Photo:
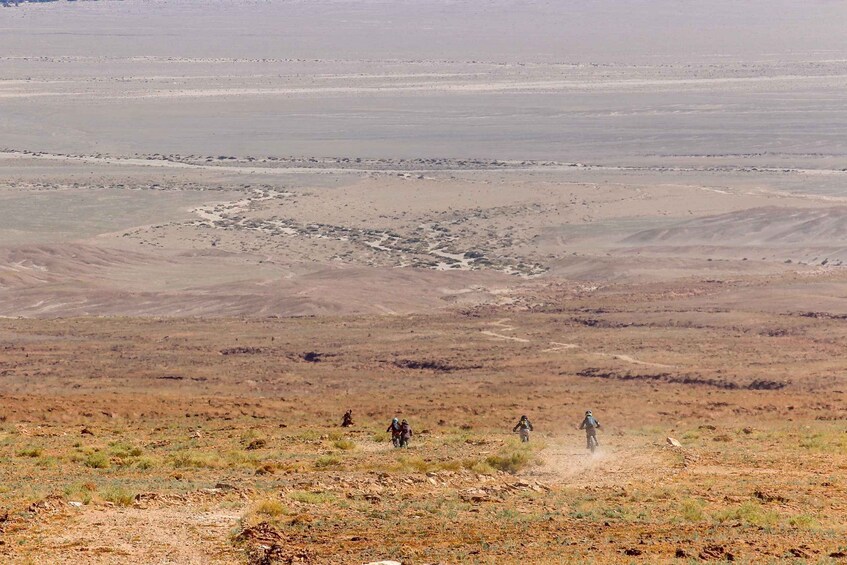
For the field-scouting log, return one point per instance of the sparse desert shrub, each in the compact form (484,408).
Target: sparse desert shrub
(804,522)
(691,510)
(30,451)
(309,435)
(124,451)
(270,507)
(510,462)
(80,492)
(47,462)
(310,497)
(97,460)
(191,460)
(118,495)
(822,442)
(249,435)
(406,464)
(145,463)
(749,513)
(344,444)
(335,435)
(325,461)
(481,467)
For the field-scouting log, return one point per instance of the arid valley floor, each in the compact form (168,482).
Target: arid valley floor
(223,224)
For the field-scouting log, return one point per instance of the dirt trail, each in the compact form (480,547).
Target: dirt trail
(559,346)
(183,534)
(566,461)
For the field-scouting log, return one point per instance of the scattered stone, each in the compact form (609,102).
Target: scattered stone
(632,551)
(75,504)
(86,432)
(242,351)
(257,443)
(475,495)
(266,469)
(53,504)
(275,554)
(260,533)
(312,357)
(768,496)
(714,552)
(672,441)
(680,553)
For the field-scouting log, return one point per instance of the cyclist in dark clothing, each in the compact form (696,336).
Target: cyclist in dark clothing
(524,426)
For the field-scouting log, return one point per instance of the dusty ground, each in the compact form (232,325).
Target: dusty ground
(222,224)
(149,424)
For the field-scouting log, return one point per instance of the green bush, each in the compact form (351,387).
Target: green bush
(97,460)
(117,495)
(325,461)
(692,510)
(510,462)
(344,444)
(749,513)
(310,497)
(30,451)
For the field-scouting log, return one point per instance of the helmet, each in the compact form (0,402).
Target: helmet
(395,420)
(405,422)
(588,413)
(524,418)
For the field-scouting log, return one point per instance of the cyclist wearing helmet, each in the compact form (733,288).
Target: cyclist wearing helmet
(590,425)
(524,426)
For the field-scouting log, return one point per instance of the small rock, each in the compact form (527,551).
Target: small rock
(86,432)
(258,443)
(384,563)
(75,504)
(674,442)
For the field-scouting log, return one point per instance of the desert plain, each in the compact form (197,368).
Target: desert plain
(223,224)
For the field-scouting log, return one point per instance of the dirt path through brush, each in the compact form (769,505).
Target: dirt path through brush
(185,534)
(566,461)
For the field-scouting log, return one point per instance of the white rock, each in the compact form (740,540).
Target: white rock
(673,442)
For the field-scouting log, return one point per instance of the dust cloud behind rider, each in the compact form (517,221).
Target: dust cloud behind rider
(590,425)
(523,427)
